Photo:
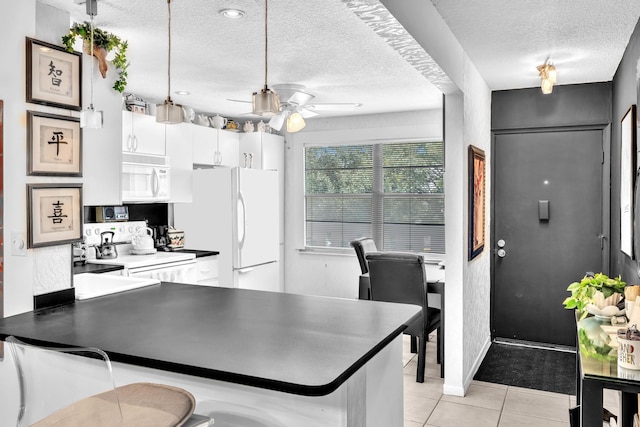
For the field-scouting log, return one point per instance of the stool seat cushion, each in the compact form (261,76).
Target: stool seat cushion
(143,405)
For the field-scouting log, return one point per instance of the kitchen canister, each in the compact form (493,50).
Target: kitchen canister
(628,349)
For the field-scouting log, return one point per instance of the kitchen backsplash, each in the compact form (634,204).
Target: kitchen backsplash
(154,213)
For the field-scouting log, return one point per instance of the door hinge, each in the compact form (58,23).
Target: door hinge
(602,162)
(602,238)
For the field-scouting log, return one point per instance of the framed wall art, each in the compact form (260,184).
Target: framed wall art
(477,178)
(627,179)
(54,76)
(54,214)
(54,145)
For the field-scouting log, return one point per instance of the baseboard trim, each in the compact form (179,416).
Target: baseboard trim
(533,344)
(477,362)
(461,391)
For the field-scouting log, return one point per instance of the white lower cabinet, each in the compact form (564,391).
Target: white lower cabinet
(207,270)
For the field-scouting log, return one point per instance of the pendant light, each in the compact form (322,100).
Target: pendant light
(90,118)
(266,102)
(168,112)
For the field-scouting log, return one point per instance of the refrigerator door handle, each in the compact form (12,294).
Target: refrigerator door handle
(245,270)
(242,220)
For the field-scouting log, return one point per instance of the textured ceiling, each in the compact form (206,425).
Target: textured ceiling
(507,39)
(354,50)
(322,45)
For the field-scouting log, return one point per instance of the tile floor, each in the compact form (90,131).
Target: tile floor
(485,405)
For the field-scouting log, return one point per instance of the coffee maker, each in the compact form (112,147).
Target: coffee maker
(160,237)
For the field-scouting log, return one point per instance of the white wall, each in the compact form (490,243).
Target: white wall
(336,274)
(16,22)
(467,121)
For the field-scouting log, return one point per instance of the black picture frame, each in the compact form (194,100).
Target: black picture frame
(54,214)
(477,191)
(627,179)
(54,145)
(54,75)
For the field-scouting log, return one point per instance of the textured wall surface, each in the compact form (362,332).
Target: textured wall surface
(624,95)
(477,123)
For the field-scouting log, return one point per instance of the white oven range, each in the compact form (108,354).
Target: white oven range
(176,266)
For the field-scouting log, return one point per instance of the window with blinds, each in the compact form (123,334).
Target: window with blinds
(393,192)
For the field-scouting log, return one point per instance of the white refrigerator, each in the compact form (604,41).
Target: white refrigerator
(235,211)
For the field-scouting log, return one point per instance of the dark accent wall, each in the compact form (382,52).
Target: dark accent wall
(624,92)
(569,105)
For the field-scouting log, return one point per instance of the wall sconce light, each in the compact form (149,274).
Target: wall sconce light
(548,76)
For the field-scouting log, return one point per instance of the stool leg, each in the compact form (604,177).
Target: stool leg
(414,344)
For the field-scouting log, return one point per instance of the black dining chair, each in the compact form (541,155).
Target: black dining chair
(401,277)
(363,246)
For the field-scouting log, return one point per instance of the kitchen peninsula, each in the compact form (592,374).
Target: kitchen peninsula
(286,359)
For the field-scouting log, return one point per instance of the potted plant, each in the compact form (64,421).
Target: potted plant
(585,291)
(103,43)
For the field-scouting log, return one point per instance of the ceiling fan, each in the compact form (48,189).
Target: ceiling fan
(295,107)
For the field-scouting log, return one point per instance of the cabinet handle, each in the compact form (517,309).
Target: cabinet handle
(129,143)
(135,143)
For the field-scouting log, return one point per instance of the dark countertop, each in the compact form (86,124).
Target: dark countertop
(96,268)
(199,253)
(292,343)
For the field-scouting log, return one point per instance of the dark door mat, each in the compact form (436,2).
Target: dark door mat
(535,368)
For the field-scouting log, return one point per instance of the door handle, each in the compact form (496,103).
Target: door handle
(502,253)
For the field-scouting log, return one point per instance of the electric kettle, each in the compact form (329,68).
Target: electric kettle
(143,239)
(106,249)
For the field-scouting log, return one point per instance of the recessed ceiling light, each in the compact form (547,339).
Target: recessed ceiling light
(183,92)
(231,13)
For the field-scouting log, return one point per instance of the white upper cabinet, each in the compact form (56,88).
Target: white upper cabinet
(262,150)
(180,153)
(207,141)
(101,158)
(142,134)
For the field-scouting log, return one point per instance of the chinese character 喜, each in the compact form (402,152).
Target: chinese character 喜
(58,214)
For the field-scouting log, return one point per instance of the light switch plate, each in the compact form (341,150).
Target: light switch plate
(18,244)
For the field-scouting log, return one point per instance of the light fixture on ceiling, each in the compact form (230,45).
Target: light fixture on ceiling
(168,112)
(293,118)
(231,13)
(295,122)
(182,92)
(548,76)
(266,102)
(89,117)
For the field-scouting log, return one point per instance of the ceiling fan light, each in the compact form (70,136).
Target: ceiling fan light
(266,102)
(90,118)
(295,123)
(276,122)
(169,113)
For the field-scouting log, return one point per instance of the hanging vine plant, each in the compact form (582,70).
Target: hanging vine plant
(103,43)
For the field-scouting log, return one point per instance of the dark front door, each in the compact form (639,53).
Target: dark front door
(553,174)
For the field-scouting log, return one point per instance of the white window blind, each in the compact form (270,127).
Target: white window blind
(392,192)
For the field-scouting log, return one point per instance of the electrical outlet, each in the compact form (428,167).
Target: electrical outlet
(18,245)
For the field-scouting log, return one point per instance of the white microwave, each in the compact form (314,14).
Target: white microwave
(145,178)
